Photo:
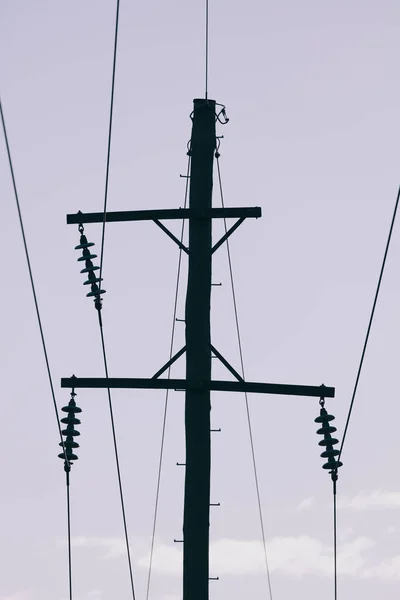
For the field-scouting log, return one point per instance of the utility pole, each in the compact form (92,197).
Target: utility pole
(198,356)
(198,383)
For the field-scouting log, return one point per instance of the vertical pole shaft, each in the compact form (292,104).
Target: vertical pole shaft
(198,357)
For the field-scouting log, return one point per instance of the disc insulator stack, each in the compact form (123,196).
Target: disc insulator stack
(70,432)
(90,269)
(328,441)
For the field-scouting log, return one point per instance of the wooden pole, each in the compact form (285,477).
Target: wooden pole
(198,357)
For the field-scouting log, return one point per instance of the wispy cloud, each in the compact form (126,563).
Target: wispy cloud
(345,534)
(112,547)
(23,595)
(375,500)
(92,595)
(388,570)
(166,560)
(294,555)
(390,529)
(307,503)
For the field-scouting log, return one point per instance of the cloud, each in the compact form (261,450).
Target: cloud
(17,596)
(166,559)
(112,547)
(388,570)
(294,555)
(345,534)
(376,500)
(92,595)
(390,529)
(307,503)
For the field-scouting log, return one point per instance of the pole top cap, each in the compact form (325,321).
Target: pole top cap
(198,102)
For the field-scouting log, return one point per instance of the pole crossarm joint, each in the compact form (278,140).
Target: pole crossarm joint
(226,364)
(252,212)
(227,234)
(172,236)
(169,363)
(186,384)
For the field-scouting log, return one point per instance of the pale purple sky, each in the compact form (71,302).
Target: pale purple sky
(313,96)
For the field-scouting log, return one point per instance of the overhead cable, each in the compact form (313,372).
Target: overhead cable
(335,537)
(98,301)
(360,366)
(39,320)
(114,435)
(110,125)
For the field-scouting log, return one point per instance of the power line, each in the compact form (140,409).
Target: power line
(43,344)
(167,392)
(98,305)
(69,531)
(370,322)
(246,397)
(109,136)
(114,434)
(39,320)
(335,534)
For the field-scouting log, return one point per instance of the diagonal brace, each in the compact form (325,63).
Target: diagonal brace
(170,362)
(171,235)
(226,364)
(227,234)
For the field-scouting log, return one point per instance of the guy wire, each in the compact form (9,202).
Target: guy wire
(167,391)
(245,394)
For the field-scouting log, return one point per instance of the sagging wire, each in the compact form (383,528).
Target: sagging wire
(109,136)
(39,320)
(96,294)
(235,308)
(46,357)
(360,366)
(353,397)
